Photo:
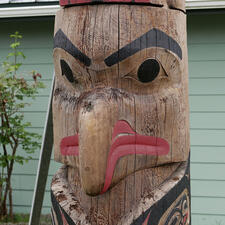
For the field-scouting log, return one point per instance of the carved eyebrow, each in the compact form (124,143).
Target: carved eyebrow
(153,38)
(62,41)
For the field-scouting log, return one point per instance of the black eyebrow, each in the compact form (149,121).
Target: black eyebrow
(153,38)
(61,41)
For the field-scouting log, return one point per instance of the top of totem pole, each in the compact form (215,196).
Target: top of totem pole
(172,4)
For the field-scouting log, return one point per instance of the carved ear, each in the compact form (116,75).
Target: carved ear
(176,4)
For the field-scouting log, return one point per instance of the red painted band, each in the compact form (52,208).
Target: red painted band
(129,144)
(70,145)
(124,142)
(146,220)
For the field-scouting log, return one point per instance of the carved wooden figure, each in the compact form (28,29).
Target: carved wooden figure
(121,117)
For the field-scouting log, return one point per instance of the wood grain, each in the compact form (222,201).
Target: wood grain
(107,48)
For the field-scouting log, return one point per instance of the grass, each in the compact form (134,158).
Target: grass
(21,219)
(17,218)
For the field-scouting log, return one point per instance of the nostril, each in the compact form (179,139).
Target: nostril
(88,106)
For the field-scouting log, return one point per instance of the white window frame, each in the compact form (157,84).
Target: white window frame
(50,10)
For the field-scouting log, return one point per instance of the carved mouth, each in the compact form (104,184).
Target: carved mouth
(69,146)
(125,141)
(128,142)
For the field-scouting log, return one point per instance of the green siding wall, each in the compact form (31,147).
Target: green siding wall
(206,48)
(206,44)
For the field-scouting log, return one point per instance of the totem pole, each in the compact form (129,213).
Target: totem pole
(120,113)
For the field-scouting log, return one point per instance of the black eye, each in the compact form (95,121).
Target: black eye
(66,71)
(148,70)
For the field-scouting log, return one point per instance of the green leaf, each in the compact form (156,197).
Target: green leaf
(15,45)
(15,94)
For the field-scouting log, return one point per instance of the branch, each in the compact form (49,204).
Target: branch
(8,124)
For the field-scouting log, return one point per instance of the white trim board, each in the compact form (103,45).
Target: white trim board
(205,4)
(29,11)
(50,10)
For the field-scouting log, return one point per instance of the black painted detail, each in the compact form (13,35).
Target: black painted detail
(140,220)
(61,41)
(158,209)
(148,70)
(52,217)
(67,217)
(65,68)
(173,217)
(56,209)
(153,38)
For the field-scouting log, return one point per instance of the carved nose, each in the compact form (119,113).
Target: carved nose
(97,115)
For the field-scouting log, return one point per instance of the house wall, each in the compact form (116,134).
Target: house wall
(206,45)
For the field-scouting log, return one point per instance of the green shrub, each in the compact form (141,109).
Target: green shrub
(15,91)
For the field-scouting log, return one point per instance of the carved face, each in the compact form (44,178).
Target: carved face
(120,100)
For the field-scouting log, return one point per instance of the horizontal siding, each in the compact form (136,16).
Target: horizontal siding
(210,86)
(214,120)
(208,137)
(206,48)
(207,103)
(31,168)
(207,219)
(206,69)
(208,154)
(46,70)
(202,188)
(35,55)
(26,209)
(208,171)
(25,182)
(206,52)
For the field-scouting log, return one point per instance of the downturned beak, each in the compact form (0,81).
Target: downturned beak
(95,134)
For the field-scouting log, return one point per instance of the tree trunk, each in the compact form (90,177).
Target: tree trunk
(10,203)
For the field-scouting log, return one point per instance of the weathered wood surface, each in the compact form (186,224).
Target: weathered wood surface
(121,117)
(166,197)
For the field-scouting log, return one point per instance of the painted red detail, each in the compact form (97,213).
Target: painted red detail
(63,218)
(69,145)
(121,127)
(64,2)
(146,220)
(124,142)
(131,143)
(142,1)
(78,2)
(185,218)
(117,1)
